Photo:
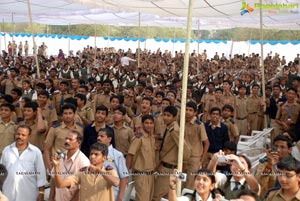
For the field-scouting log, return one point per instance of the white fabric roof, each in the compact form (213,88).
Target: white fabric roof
(211,14)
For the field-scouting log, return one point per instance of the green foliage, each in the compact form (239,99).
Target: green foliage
(237,34)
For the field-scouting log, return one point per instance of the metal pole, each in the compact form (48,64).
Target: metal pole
(33,40)
(173,43)
(139,41)
(262,62)
(184,89)
(198,48)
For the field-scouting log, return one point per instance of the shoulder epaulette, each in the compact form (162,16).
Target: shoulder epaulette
(263,160)
(51,107)
(17,104)
(109,167)
(79,124)
(88,109)
(138,134)
(136,115)
(271,190)
(231,120)
(198,122)
(155,114)
(56,125)
(177,106)
(171,129)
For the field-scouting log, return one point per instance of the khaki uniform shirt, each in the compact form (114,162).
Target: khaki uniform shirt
(142,148)
(7,134)
(286,112)
(241,107)
(194,135)
(233,130)
(228,99)
(123,137)
(49,113)
(11,84)
(36,138)
(102,99)
(278,196)
(169,151)
(57,98)
(253,104)
(57,134)
(93,186)
(86,112)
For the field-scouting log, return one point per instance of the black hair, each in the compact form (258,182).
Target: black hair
(44,93)
(173,92)
(293,89)
(247,192)
(26,127)
(193,105)
(81,97)
(289,164)
(17,91)
(121,109)
(148,99)
(147,116)
(99,147)
(166,99)
(228,81)
(150,88)
(108,132)
(8,98)
(67,106)
(41,85)
(283,138)
(161,93)
(227,106)
(8,105)
(102,108)
(114,96)
(172,110)
(33,105)
(215,109)
(218,89)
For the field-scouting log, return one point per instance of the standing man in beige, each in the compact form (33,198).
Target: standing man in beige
(141,159)
(195,136)
(254,106)
(241,110)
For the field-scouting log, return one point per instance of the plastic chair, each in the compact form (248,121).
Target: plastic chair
(128,190)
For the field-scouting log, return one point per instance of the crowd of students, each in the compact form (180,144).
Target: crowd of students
(123,114)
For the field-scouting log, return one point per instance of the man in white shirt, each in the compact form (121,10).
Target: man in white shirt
(26,171)
(125,60)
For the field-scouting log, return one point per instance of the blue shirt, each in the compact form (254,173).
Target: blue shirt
(116,159)
(217,136)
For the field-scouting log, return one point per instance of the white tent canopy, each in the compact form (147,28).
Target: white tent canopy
(210,14)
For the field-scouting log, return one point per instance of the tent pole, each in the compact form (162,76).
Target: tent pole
(69,39)
(12,33)
(262,62)
(139,41)
(95,44)
(249,42)
(33,40)
(173,43)
(5,47)
(0,38)
(184,89)
(198,48)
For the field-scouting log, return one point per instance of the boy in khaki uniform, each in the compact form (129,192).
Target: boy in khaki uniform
(141,159)
(168,156)
(195,136)
(85,113)
(96,181)
(7,126)
(254,106)
(241,110)
(233,131)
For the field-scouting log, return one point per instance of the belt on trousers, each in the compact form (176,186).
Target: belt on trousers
(241,118)
(143,172)
(167,165)
(253,113)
